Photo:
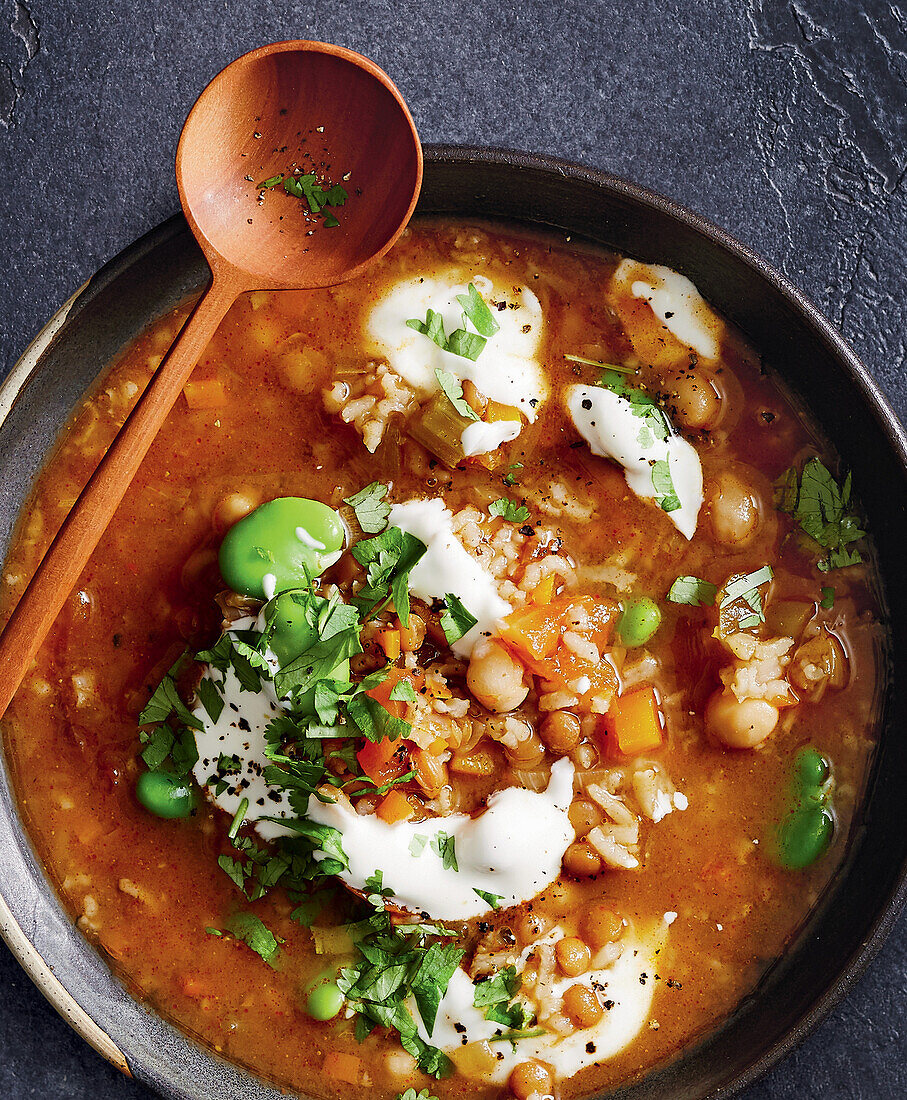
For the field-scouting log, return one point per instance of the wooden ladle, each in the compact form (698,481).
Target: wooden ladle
(291,107)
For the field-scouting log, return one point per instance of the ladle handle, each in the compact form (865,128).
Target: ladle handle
(82,529)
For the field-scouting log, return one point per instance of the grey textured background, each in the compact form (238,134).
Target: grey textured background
(782,121)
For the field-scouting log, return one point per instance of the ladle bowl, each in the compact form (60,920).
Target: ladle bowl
(298,106)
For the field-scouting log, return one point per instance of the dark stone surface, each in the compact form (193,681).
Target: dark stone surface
(782,121)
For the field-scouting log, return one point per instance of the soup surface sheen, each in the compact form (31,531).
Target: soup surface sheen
(547,828)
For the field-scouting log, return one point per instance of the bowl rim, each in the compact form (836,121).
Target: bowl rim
(454,155)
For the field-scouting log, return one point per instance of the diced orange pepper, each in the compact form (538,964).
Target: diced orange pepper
(381,693)
(544,590)
(205,394)
(634,722)
(495,411)
(390,643)
(342,1067)
(395,807)
(532,632)
(383,760)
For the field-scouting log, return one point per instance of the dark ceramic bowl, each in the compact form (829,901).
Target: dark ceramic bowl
(862,901)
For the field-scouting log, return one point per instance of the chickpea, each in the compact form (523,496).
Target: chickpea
(573,956)
(696,402)
(530,1077)
(527,753)
(561,731)
(582,1005)
(819,663)
(601,925)
(580,860)
(584,816)
(734,512)
(495,678)
(412,636)
(531,926)
(739,724)
(431,772)
(231,509)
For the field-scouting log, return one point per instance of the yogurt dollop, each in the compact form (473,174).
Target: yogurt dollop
(507,370)
(447,567)
(443,866)
(607,422)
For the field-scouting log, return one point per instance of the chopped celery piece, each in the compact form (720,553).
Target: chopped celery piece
(439,428)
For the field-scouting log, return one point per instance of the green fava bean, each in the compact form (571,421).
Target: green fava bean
(281,545)
(324,1001)
(292,635)
(638,621)
(804,836)
(811,769)
(165,795)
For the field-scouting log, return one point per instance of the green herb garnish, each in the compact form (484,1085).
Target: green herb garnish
(248,929)
(494,900)
(446,847)
(476,309)
(509,510)
(747,590)
(370,507)
(317,197)
(455,619)
(509,478)
(828,599)
(663,484)
(462,342)
(453,391)
(823,512)
(693,591)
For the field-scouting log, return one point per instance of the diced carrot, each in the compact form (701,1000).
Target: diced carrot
(381,693)
(634,722)
(205,394)
(342,1067)
(495,411)
(544,590)
(390,643)
(395,807)
(533,632)
(383,760)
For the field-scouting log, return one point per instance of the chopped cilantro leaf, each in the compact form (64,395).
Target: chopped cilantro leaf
(663,484)
(157,750)
(432,327)
(509,510)
(828,599)
(210,698)
(504,985)
(455,619)
(394,964)
(468,345)
(641,405)
(247,928)
(822,510)
(417,844)
(370,507)
(746,590)
(509,478)
(403,692)
(453,391)
(693,591)
(476,309)
(165,700)
(411,1094)
(446,847)
(388,559)
(317,197)
(494,900)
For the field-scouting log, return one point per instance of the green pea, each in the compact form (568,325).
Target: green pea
(324,1001)
(811,769)
(292,635)
(290,539)
(638,621)
(165,795)
(804,836)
